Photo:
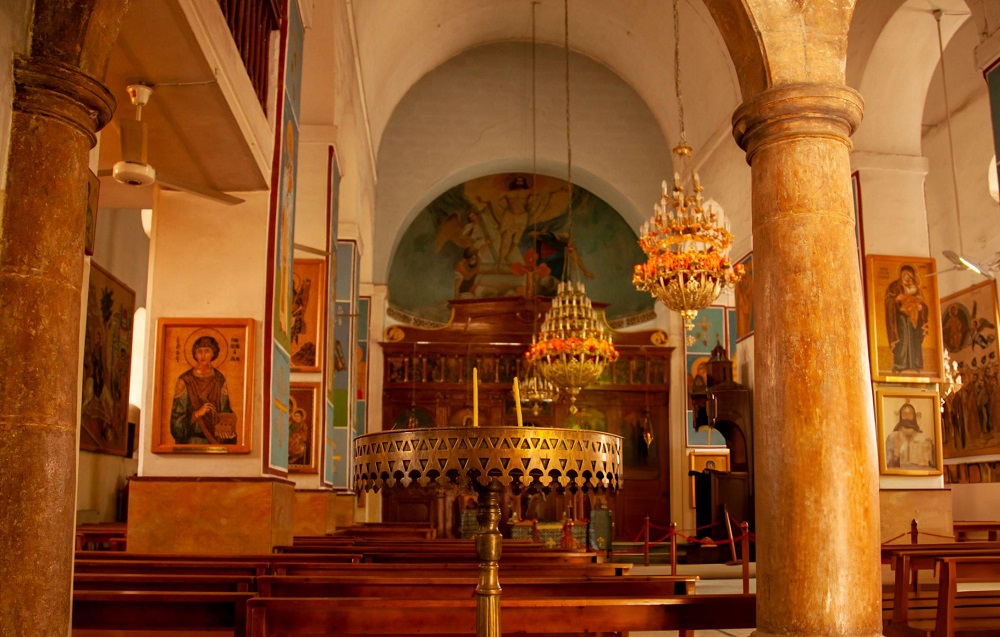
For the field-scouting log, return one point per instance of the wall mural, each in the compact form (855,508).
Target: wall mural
(506,235)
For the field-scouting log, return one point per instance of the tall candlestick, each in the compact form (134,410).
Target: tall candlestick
(475,397)
(517,403)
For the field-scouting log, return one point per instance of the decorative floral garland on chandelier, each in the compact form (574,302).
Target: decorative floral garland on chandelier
(687,248)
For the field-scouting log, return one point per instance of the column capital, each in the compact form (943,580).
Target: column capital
(831,111)
(60,91)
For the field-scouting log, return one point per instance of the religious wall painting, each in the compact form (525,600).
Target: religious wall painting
(332,220)
(304,418)
(701,459)
(744,300)
(285,229)
(340,469)
(971,418)
(908,425)
(90,227)
(361,366)
(904,322)
(972,473)
(702,436)
(308,314)
(506,235)
(277,450)
(203,387)
(293,57)
(107,362)
(859,232)
(709,330)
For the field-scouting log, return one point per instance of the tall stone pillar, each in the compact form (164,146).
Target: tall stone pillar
(57,110)
(818,543)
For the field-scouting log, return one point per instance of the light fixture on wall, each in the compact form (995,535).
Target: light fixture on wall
(686,240)
(574,344)
(536,389)
(959,259)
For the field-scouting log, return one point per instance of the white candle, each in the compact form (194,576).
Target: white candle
(475,397)
(517,403)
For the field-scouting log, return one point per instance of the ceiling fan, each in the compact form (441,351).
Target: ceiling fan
(987,268)
(134,169)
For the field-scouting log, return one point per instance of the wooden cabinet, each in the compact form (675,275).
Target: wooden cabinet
(428,384)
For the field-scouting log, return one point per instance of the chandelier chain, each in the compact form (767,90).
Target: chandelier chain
(951,144)
(569,144)
(677,71)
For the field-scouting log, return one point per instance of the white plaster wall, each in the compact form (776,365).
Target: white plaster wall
(207,260)
(472,117)
(15,23)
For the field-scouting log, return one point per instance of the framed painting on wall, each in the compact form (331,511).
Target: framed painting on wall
(744,300)
(203,388)
(909,431)
(304,419)
(969,320)
(701,459)
(107,363)
(308,314)
(904,319)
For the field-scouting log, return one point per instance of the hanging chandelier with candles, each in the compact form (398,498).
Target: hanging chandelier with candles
(574,344)
(686,241)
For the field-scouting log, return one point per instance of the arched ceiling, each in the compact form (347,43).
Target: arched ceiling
(472,116)
(895,77)
(632,38)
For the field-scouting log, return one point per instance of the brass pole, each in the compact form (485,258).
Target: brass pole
(488,545)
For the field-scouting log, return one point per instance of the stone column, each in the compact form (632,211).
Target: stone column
(57,110)
(816,469)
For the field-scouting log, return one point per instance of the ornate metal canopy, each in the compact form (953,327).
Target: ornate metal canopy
(525,457)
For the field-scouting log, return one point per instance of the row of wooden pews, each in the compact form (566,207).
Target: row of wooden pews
(943,610)
(380,584)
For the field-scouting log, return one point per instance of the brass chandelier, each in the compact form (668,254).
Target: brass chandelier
(686,242)
(573,346)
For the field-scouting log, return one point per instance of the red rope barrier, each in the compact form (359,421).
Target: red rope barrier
(949,537)
(903,534)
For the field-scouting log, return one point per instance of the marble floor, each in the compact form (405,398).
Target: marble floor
(714,579)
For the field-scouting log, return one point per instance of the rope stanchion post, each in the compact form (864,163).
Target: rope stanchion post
(645,542)
(914,534)
(729,531)
(745,555)
(673,548)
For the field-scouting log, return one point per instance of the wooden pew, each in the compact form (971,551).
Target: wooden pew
(430,570)
(424,557)
(93,536)
(195,613)
(462,586)
(267,616)
(177,567)
(907,562)
(983,618)
(964,528)
(163,582)
(888,550)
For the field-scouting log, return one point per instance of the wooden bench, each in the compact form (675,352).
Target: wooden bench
(964,528)
(95,536)
(507,569)
(463,586)
(424,557)
(187,613)
(911,608)
(290,616)
(178,567)
(163,582)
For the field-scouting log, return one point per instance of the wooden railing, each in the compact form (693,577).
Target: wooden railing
(251,23)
